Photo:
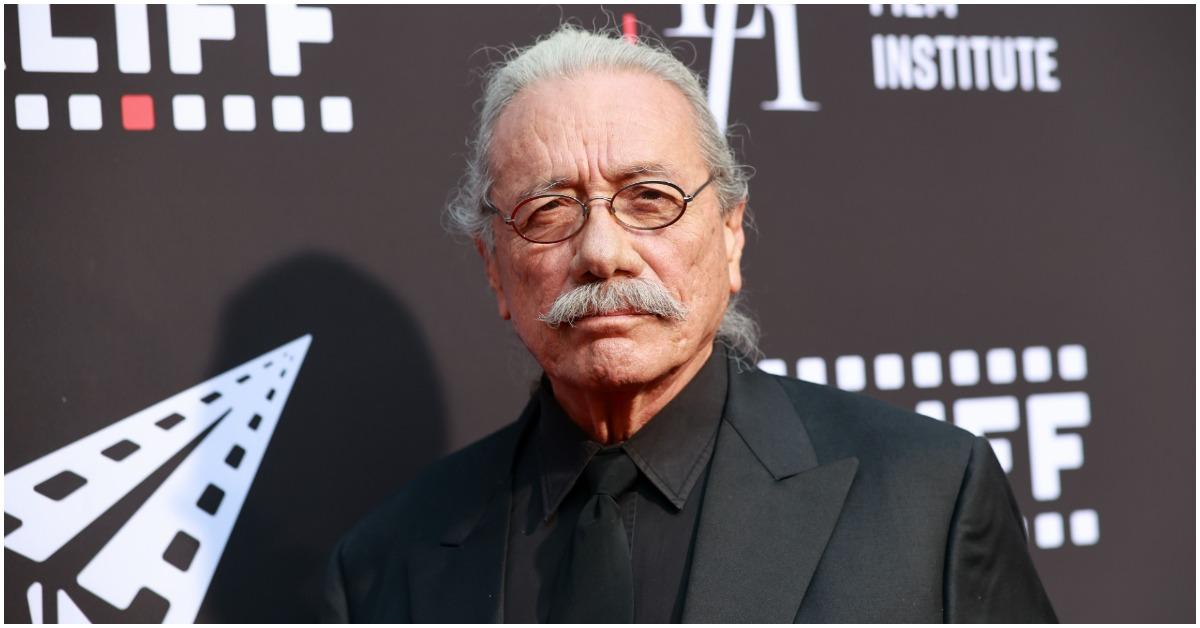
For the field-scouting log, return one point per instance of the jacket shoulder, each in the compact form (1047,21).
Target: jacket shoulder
(423,508)
(842,423)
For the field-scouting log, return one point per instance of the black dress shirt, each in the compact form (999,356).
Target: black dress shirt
(672,453)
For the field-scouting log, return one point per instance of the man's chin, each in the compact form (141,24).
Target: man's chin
(612,360)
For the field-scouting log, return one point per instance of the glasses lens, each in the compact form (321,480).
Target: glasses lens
(548,218)
(648,205)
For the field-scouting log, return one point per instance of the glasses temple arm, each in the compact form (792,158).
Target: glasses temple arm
(700,189)
(487,205)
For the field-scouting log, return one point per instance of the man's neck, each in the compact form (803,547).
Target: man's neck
(612,416)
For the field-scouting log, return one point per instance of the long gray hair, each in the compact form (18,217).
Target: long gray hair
(569,51)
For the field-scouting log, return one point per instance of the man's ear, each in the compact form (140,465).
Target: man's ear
(493,275)
(735,241)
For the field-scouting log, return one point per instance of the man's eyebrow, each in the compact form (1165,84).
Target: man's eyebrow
(644,168)
(543,186)
(630,171)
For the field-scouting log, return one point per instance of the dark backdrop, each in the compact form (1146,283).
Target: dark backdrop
(891,222)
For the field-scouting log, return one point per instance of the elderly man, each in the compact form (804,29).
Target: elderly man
(654,476)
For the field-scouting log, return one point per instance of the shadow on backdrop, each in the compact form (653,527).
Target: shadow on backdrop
(364,416)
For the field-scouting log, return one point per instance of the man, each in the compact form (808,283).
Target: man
(654,476)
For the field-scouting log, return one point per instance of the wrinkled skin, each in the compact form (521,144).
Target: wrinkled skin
(611,373)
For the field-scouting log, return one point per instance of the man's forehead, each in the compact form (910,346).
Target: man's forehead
(619,123)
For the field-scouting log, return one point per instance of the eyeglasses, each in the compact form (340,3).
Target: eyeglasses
(645,206)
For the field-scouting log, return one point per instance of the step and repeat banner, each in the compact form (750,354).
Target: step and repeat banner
(235,322)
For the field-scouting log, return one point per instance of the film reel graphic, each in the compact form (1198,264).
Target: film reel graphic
(174,541)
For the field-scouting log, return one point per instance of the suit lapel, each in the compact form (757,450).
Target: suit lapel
(461,578)
(769,509)
(463,583)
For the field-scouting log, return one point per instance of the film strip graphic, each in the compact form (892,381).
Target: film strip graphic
(172,544)
(138,113)
(955,374)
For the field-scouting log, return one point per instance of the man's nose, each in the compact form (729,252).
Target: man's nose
(604,247)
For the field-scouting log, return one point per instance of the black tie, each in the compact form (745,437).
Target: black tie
(596,583)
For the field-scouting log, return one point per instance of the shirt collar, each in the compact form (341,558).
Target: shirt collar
(671,450)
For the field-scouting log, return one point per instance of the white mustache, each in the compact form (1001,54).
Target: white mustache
(642,296)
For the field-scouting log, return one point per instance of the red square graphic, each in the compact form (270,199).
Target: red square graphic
(137,112)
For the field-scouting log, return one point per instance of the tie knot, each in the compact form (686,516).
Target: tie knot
(610,473)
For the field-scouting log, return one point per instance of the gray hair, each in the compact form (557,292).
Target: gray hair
(569,51)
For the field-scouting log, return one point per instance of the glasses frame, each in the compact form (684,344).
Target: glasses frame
(585,207)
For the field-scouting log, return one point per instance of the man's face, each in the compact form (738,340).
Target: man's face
(594,132)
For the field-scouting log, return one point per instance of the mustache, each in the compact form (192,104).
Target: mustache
(643,296)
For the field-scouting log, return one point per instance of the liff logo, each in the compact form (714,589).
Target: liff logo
(187,27)
(166,553)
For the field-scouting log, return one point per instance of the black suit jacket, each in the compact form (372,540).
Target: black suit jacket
(821,506)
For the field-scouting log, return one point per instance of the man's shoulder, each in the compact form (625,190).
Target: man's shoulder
(841,423)
(423,508)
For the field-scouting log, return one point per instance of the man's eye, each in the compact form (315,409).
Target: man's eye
(552,209)
(648,198)
(544,213)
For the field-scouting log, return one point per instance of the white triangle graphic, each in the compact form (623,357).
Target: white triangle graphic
(68,613)
(173,542)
